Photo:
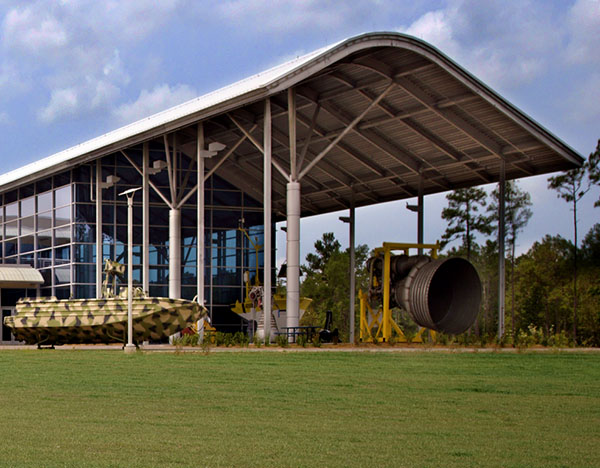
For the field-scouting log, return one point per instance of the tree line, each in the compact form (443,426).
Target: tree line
(553,289)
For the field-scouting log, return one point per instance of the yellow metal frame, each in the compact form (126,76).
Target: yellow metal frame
(381,326)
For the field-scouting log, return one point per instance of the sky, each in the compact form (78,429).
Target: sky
(71,70)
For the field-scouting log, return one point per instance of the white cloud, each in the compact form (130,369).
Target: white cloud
(505,43)
(584,28)
(72,49)
(63,102)
(33,31)
(162,97)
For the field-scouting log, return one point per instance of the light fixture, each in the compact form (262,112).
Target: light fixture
(157,166)
(110,181)
(213,149)
(413,208)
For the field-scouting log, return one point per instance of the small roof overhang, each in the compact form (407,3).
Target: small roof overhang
(19,276)
(426,121)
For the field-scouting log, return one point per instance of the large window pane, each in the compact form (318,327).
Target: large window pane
(85,232)
(85,291)
(44,239)
(10,247)
(85,253)
(28,206)
(188,276)
(62,196)
(227,276)
(85,273)
(44,202)
(226,295)
(62,216)
(27,225)
(44,220)
(26,244)
(226,219)
(62,255)
(11,229)
(12,211)
(159,275)
(62,235)
(62,275)
(62,293)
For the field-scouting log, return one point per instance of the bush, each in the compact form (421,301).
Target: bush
(316,341)
(558,340)
(301,341)
(282,341)
(240,339)
(257,340)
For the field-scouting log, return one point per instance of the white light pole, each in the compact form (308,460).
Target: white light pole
(130,347)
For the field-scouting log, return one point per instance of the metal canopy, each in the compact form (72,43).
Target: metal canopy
(19,276)
(375,116)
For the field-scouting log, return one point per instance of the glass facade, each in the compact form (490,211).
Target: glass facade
(51,225)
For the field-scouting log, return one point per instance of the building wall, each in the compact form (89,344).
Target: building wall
(51,225)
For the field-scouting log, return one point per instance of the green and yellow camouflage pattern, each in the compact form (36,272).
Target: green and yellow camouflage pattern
(50,321)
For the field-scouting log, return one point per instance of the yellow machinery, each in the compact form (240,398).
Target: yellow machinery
(439,295)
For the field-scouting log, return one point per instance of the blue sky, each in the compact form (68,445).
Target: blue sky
(72,70)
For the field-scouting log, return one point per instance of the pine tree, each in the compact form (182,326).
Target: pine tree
(516,217)
(571,187)
(464,217)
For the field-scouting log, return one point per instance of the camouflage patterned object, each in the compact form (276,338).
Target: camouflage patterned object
(49,321)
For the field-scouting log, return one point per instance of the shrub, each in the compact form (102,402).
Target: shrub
(282,341)
(301,341)
(240,339)
(316,341)
(257,340)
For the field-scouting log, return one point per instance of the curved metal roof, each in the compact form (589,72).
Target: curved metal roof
(422,118)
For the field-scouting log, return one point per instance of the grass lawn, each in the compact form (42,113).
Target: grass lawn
(105,408)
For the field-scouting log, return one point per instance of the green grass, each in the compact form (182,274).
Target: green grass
(96,408)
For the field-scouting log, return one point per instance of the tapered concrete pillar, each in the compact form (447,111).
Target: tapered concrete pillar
(293,254)
(175,254)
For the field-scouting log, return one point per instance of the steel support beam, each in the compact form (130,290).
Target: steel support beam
(267,145)
(352,269)
(420,215)
(145,217)
(501,235)
(293,254)
(99,255)
(200,214)
(174,254)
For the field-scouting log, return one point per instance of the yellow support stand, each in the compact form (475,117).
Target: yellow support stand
(379,329)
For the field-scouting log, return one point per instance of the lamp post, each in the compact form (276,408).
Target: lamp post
(130,347)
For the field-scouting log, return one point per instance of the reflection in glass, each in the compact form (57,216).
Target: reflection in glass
(44,239)
(12,211)
(27,225)
(11,229)
(62,196)
(62,255)
(28,206)
(26,244)
(62,235)
(44,220)
(62,216)
(62,275)
(44,202)
(85,253)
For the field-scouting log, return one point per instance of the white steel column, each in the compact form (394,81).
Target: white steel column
(501,235)
(99,259)
(267,220)
(293,254)
(175,254)
(293,223)
(200,212)
(145,218)
(352,270)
